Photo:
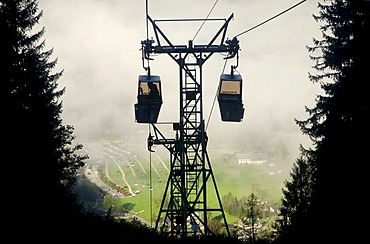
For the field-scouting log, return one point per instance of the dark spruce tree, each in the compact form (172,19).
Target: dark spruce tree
(41,160)
(297,196)
(332,206)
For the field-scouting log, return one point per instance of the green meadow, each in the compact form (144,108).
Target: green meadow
(148,177)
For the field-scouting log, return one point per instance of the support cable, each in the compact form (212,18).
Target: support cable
(147,29)
(264,22)
(204,21)
(146,19)
(214,99)
(150,184)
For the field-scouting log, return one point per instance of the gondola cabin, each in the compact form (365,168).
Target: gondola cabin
(149,99)
(229,97)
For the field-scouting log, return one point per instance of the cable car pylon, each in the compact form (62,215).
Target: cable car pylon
(185,209)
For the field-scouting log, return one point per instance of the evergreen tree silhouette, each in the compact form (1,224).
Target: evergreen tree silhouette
(39,150)
(338,125)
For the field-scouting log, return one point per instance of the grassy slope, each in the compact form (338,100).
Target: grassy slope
(240,180)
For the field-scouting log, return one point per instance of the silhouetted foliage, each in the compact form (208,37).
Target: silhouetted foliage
(39,149)
(251,215)
(297,196)
(232,205)
(323,200)
(39,146)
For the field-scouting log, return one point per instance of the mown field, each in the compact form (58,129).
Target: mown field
(146,175)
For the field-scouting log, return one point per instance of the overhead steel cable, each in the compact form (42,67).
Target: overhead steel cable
(215,97)
(146,19)
(264,22)
(201,26)
(204,21)
(147,31)
(150,152)
(150,184)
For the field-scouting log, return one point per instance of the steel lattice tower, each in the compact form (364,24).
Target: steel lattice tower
(184,209)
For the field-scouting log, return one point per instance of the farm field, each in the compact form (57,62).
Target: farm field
(143,176)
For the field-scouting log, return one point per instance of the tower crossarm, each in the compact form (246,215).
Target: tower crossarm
(171,49)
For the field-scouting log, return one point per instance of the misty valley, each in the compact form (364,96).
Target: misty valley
(130,182)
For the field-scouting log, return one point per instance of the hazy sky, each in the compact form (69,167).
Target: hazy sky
(97,43)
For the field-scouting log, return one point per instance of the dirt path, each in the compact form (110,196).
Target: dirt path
(164,165)
(107,173)
(156,171)
(124,179)
(130,166)
(94,178)
(141,166)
